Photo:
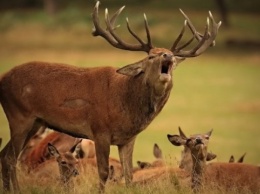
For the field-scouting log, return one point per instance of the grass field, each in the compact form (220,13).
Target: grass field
(218,90)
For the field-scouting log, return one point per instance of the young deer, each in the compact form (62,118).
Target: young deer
(40,152)
(186,157)
(108,105)
(185,162)
(63,165)
(237,176)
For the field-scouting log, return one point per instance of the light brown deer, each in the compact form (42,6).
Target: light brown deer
(158,170)
(186,158)
(61,166)
(185,162)
(40,152)
(107,105)
(226,176)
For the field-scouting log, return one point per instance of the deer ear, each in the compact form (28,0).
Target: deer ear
(209,133)
(182,134)
(241,159)
(132,69)
(210,156)
(157,152)
(176,140)
(77,151)
(179,59)
(53,151)
(231,159)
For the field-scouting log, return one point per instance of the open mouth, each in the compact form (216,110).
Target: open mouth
(166,67)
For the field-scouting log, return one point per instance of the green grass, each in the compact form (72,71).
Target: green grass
(218,90)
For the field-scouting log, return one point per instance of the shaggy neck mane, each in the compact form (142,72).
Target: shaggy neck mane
(144,103)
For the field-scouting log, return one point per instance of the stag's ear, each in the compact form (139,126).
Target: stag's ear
(132,69)
(53,151)
(179,60)
(210,156)
(176,140)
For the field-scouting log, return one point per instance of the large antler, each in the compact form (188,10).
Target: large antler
(112,38)
(204,41)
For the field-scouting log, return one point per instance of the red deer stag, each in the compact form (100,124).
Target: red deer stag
(107,105)
(238,177)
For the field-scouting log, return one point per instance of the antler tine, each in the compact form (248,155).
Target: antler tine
(112,37)
(114,17)
(192,28)
(176,42)
(149,42)
(205,41)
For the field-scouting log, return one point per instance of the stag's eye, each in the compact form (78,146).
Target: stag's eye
(63,163)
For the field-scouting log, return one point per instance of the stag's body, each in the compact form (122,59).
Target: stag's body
(95,103)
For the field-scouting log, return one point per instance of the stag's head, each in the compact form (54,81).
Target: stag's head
(157,67)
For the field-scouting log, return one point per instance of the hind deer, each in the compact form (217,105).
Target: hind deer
(108,105)
(160,170)
(185,162)
(40,153)
(61,166)
(238,176)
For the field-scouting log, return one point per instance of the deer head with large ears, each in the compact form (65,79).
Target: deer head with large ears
(192,146)
(66,162)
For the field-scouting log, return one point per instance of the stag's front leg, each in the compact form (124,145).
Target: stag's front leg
(102,145)
(125,154)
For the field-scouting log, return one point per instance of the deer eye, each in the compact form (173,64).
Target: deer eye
(63,163)
(207,137)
